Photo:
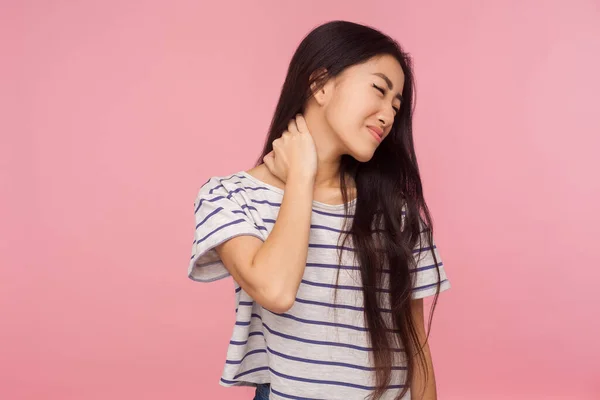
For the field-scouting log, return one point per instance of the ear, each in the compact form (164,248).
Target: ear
(319,87)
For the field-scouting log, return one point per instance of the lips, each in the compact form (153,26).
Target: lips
(377,132)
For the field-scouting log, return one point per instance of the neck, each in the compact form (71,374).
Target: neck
(329,152)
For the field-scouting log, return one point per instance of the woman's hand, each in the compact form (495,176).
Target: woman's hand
(294,153)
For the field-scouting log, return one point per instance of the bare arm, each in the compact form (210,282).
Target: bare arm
(421,389)
(271,271)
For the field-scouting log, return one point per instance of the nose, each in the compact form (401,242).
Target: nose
(385,121)
(385,117)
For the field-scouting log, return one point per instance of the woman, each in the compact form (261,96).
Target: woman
(328,238)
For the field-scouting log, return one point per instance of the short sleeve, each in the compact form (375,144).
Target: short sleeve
(426,277)
(219,216)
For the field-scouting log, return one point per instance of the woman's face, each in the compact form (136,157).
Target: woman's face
(363,103)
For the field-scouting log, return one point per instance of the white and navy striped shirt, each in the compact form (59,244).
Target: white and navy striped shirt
(318,349)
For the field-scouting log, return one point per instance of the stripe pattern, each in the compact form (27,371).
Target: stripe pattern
(319,348)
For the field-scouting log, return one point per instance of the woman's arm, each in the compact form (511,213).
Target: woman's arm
(421,389)
(271,271)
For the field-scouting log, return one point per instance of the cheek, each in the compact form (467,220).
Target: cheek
(349,112)
(337,113)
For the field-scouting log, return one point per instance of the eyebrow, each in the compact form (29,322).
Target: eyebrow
(389,84)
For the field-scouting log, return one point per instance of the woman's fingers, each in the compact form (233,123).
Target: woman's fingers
(301,123)
(292,127)
(269,161)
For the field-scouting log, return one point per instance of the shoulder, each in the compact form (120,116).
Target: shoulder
(241,188)
(262,174)
(221,184)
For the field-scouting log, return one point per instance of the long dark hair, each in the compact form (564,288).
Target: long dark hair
(387,186)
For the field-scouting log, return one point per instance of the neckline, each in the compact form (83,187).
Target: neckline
(279,191)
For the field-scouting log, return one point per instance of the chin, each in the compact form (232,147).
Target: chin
(362,155)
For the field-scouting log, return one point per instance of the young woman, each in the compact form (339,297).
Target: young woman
(328,238)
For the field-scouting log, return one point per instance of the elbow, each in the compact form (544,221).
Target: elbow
(274,293)
(281,306)
(279,303)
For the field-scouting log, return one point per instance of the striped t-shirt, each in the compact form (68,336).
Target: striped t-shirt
(319,349)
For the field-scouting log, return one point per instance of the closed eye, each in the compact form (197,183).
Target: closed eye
(380,89)
(397,110)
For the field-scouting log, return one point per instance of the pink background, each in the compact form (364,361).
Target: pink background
(116,113)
